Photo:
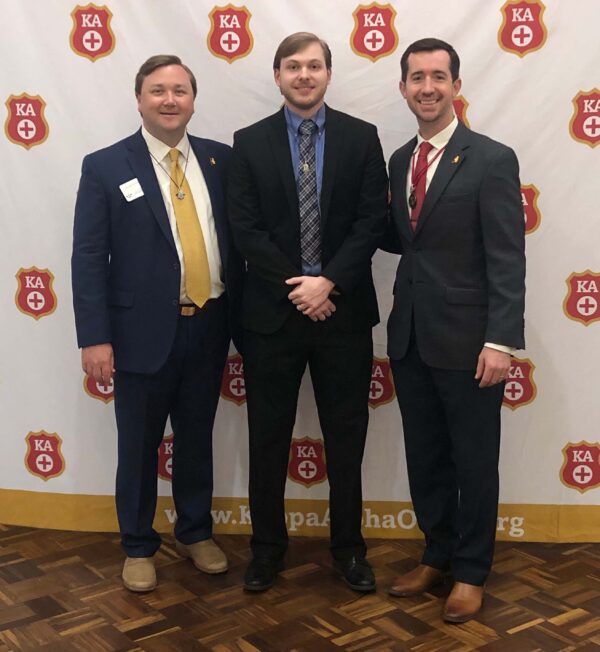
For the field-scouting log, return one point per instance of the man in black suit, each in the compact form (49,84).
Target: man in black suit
(307,204)
(151,263)
(457,316)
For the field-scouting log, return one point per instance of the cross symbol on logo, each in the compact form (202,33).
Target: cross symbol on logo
(44,462)
(237,387)
(513,391)
(230,41)
(522,35)
(586,305)
(376,390)
(591,126)
(92,41)
(582,474)
(26,129)
(307,470)
(35,300)
(374,40)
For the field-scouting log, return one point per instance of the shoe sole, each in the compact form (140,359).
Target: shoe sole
(457,620)
(410,594)
(136,589)
(356,587)
(263,587)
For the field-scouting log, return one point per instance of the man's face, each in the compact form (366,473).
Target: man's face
(303,78)
(166,102)
(429,89)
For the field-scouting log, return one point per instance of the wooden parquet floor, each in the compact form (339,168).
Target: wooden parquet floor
(61,592)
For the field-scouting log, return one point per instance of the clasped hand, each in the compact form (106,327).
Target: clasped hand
(311,296)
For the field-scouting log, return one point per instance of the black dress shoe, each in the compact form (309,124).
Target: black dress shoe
(261,573)
(357,573)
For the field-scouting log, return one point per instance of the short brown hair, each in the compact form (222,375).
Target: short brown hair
(296,43)
(160,61)
(430,45)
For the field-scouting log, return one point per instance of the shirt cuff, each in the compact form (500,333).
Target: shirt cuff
(501,347)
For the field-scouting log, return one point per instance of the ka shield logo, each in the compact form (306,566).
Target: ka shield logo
(91,36)
(25,123)
(382,389)
(35,296)
(43,457)
(520,389)
(165,458)
(585,121)
(233,387)
(374,35)
(522,30)
(100,391)
(582,302)
(307,461)
(461,105)
(581,466)
(533,217)
(230,37)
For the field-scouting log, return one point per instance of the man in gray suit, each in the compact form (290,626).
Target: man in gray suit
(457,220)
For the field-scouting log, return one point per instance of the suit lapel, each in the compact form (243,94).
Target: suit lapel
(143,169)
(404,159)
(333,143)
(450,162)
(280,145)
(210,167)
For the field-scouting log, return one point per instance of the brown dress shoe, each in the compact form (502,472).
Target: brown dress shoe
(139,574)
(206,555)
(463,603)
(418,580)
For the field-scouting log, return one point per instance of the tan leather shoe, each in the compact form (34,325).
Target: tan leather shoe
(463,603)
(418,580)
(139,574)
(206,555)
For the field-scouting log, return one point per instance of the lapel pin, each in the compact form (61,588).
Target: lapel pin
(456,159)
(212,160)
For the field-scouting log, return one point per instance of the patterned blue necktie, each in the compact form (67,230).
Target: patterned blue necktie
(308,199)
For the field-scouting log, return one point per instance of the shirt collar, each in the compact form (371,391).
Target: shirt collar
(160,150)
(442,138)
(293,120)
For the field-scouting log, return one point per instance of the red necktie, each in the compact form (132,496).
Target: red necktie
(419,181)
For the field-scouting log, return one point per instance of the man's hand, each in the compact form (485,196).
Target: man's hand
(326,309)
(492,367)
(310,295)
(98,362)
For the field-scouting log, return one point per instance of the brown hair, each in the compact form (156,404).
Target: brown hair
(430,45)
(159,61)
(297,42)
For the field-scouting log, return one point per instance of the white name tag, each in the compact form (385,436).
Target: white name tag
(131,189)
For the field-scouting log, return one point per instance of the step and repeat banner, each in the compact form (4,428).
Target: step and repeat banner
(531,79)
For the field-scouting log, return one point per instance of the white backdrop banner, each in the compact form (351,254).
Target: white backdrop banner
(531,79)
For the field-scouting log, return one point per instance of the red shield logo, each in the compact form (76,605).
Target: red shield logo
(460,108)
(35,296)
(165,458)
(25,124)
(581,466)
(582,302)
(43,457)
(374,35)
(230,37)
(520,388)
(91,36)
(585,121)
(307,461)
(382,386)
(100,391)
(533,217)
(232,385)
(522,30)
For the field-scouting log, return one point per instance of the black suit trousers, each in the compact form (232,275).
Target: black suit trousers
(340,367)
(186,388)
(452,441)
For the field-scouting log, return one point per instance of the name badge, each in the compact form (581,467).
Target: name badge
(131,189)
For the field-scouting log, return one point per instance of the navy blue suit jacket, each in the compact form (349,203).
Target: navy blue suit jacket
(125,267)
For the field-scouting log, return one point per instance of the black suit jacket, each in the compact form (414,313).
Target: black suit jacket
(462,272)
(125,267)
(265,220)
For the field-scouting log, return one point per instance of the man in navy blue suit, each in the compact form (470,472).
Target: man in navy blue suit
(150,270)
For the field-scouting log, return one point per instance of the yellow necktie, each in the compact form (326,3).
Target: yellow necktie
(197,273)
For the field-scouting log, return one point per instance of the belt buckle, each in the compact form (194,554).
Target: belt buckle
(188,311)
